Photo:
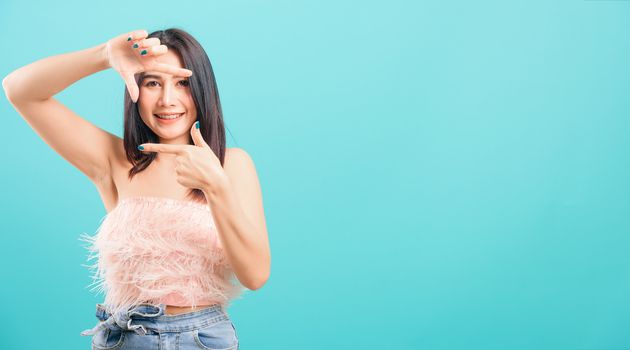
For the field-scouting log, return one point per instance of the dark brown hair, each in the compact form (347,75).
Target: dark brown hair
(203,88)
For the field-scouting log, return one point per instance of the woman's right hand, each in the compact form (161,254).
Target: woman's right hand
(127,60)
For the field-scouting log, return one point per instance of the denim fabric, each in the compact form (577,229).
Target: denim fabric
(146,326)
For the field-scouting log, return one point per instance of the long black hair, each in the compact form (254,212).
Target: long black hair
(203,88)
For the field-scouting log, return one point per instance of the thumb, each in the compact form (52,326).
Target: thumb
(132,87)
(195,132)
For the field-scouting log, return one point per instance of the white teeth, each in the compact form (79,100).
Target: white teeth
(171,116)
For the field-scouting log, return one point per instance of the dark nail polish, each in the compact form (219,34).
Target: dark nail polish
(129,39)
(135,46)
(197,124)
(140,148)
(144,52)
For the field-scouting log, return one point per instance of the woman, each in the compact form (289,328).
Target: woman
(184,214)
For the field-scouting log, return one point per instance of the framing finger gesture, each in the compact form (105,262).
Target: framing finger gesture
(133,53)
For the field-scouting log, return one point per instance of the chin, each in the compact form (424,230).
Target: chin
(170,130)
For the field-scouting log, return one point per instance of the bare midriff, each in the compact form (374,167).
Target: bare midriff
(176,310)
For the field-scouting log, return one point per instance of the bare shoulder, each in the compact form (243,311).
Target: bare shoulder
(237,156)
(238,163)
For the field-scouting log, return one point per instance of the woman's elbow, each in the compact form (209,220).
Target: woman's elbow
(257,283)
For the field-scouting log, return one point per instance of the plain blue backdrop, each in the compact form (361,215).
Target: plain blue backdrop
(436,175)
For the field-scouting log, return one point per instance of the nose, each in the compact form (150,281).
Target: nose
(167,95)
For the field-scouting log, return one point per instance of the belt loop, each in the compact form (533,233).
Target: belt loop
(138,328)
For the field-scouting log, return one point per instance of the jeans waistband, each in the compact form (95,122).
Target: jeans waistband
(148,318)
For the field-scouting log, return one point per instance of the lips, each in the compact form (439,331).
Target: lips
(168,116)
(164,121)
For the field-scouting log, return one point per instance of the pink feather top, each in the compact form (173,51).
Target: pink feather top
(160,250)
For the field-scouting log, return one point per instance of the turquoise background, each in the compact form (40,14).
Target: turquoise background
(436,175)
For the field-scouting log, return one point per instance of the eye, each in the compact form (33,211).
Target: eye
(184,82)
(150,83)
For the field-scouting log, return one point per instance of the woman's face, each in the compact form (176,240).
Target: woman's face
(167,96)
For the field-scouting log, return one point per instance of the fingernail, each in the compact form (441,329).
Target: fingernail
(135,46)
(144,52)
(197,124)
(140,147)
(129,39)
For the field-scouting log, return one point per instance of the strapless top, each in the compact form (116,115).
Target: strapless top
(160,250)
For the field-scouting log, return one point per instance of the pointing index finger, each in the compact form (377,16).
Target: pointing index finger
(161,147)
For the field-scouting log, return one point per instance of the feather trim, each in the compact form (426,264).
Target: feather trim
(159,250)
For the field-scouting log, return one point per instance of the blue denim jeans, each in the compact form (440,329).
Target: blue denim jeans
(145,326)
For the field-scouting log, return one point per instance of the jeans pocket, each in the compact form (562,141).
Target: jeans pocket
(107,339)
(217,336)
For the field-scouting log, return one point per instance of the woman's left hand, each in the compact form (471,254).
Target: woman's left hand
(196,165)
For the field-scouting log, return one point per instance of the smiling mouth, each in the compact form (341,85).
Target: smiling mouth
(169,117)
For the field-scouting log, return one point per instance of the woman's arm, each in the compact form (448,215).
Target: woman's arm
(30,90)
(43,79)
(237,208)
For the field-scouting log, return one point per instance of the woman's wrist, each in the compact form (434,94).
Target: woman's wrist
(217,190)
(103,55)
